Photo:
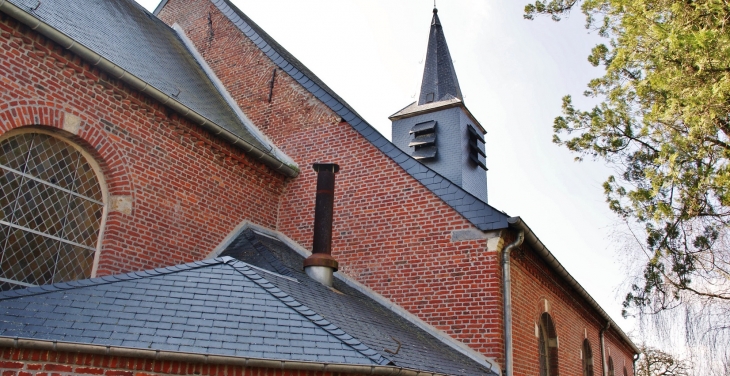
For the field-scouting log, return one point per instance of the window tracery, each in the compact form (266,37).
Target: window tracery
(52,208)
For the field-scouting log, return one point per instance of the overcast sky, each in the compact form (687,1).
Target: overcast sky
(513,74)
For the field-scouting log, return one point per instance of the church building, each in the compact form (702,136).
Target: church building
(179,195)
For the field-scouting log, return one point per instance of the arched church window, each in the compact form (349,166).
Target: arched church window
(52,208)
(625,373)
(547,346)
(587,358)
(610,367)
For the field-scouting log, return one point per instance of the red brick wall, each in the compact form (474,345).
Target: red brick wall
(533,285)
(390,232)
(20,362)
(189,189)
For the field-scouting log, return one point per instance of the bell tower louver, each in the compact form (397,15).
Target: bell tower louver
(438,129)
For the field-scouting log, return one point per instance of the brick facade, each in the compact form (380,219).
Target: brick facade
(537,289)
(188,189)
(22,362)
(390,232)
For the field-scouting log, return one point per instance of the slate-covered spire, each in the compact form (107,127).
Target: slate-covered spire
(439,77)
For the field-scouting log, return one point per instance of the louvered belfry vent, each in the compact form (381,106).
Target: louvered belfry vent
(423,140)
(476,147)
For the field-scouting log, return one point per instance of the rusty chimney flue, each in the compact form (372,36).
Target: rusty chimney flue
(320,266)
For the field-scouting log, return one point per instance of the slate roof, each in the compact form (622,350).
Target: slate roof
(479,213)
(439,75)
(375,325)
(132,38)
(259,305)
(213,307)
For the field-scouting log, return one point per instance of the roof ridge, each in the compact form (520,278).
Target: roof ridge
(308,313)
(107,279)
(479,213)
(266,253)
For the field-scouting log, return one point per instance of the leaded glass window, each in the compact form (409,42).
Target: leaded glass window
(587,358)
(51,210)
(547,346)
(610,367)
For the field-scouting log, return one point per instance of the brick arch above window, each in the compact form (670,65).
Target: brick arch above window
(79,129)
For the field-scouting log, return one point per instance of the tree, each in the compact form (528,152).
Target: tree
(654,362)
(663,122)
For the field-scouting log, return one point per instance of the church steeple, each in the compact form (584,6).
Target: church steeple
(437,129)
(439,77)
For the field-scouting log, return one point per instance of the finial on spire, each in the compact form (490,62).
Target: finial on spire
(434,7)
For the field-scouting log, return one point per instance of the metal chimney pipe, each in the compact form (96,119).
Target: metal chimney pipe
(320,266)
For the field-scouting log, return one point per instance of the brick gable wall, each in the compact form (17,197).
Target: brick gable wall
(188,190)
(390,232)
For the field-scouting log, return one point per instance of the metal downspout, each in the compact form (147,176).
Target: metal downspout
(507,295)
(601,334)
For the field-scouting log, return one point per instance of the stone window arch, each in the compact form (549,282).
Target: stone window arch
(53,205)
(547,346)
(587,358)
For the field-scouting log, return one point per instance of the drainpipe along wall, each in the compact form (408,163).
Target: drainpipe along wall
(507,296)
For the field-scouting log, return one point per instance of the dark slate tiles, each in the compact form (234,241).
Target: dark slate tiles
(439,76)
(219,306)
(489,218)
(126,34)
(359,317)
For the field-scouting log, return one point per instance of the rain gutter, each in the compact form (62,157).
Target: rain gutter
(45,345)
(138,84)
(554,264)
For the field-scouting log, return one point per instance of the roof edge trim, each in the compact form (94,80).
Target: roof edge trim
(136,83)
(35,344)
(107,279)
(447,105)
(552,261)
(251,127)
(395,308)
(159,7)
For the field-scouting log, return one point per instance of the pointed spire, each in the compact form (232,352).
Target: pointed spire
(439,77)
